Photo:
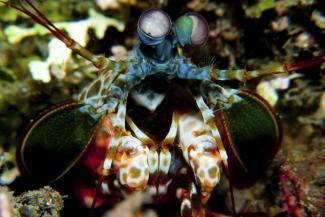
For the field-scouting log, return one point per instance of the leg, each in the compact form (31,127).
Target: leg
(191,205)
(118,123)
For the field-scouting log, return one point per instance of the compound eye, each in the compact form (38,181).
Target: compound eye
(191,28)
(200,29)
(153,26)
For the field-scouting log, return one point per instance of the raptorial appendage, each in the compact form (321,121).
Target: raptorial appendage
(131,163)
(140,163)
(200,151)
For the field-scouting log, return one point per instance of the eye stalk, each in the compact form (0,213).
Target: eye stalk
(153,26)
(191,28)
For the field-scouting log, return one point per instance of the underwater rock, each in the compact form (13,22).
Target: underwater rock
(45,202)
(256,10)
(305,40)
(8,168)
(318,18)
(268,89)
(318,118)
(8,205)
(5,76)
(280,24)
(113,4)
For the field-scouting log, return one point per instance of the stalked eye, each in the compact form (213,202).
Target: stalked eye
(200,29)
(153,26)
(191,28)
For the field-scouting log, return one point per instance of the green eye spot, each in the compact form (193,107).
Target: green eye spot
(191,28)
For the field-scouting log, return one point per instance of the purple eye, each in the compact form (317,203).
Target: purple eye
(153,26)
(200,29)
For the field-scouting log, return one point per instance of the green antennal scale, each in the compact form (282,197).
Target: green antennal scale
(57,139)
(251,133)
